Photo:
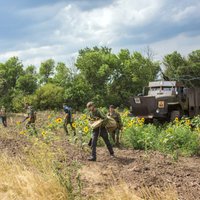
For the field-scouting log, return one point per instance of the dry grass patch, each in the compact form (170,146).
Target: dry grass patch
(20,183)
(124,192)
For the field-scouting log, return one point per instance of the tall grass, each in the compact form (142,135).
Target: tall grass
(21,182)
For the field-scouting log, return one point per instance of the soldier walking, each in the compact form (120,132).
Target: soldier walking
(3,116)
(31,117)
(68,119)
(95,115)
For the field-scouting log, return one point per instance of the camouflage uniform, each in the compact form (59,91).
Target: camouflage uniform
(100,131)
(31,119)
(68,120)
(115,134)
(3,116)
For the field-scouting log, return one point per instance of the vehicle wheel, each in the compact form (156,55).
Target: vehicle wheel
(175,114)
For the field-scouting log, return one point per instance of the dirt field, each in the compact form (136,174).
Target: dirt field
(138,169)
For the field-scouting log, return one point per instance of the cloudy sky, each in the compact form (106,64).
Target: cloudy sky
(35,30)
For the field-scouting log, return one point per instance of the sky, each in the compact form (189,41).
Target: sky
(36,30)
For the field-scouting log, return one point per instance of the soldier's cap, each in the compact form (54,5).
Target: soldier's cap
(89,104)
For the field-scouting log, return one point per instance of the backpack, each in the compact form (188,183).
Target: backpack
(111,124)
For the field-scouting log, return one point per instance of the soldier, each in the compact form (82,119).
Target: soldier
(95,115)
(3,116)
(68,119)
(116,116)
(31,116)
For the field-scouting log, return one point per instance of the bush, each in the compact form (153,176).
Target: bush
(49,96)
(178,137)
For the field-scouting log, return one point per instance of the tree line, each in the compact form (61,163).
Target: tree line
(100,75)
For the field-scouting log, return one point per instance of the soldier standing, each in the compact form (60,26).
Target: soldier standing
(68,119)
(3,116)
(116,116)
(95,115)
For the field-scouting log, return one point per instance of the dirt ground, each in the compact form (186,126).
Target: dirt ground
(136,168)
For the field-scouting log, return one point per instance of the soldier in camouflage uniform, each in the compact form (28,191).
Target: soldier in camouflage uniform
(3,116)
(31,117)
(68,119)
(116,116)
(95,115)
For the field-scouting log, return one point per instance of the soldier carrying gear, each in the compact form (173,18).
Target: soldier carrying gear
(95,115)
(116,116)
(3,116)
(68,119)
(31,116)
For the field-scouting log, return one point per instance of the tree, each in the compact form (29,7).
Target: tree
(172,62)
(131,75)
(63,75)
(97,65)
(27,83)
(79,92)
(46,71)
(49,96)
(186,70)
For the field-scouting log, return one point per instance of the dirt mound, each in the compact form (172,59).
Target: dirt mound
(12,146)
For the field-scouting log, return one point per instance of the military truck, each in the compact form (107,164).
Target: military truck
(166,100)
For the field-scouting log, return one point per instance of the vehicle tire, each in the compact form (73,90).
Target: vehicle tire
(175,114)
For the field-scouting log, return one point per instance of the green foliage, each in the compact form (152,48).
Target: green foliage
(46,71)
(141,137)
(98,75)
(49,96)
(179,138)
(196,122)
(176,138)
(186,70)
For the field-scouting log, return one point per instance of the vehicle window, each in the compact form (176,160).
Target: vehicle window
(155,89)
(167,89)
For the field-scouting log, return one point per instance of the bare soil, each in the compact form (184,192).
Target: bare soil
(136,168)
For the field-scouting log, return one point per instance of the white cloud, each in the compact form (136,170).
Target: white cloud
(61,30)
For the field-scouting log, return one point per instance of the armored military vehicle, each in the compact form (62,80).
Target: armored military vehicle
(166,100)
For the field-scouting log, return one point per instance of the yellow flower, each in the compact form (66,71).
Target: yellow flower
(22,132)
(59,120)
(133,120)
(143,120)
(130,124)
(49,116)
(86,129)
(50,125)
(44,133)
(187,122)
(83,117)
(18,123)
(176,120)
(74,125)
